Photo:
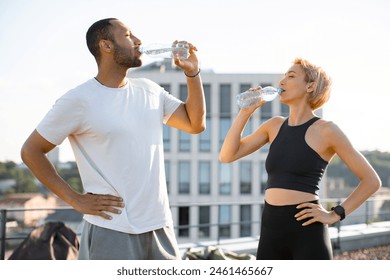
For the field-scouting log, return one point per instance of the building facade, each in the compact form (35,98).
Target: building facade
(211,200)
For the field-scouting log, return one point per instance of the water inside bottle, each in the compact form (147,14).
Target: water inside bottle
(269,93)
(180,50)
(156,51)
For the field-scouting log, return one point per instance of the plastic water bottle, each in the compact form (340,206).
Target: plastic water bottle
(180,50)
(250,98)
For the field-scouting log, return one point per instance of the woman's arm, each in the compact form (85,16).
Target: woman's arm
(369,182)
(236,147)
(357,163)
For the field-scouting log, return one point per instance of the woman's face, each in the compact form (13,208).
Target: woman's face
(293,84)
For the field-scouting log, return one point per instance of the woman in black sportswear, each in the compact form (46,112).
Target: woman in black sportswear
(294,223)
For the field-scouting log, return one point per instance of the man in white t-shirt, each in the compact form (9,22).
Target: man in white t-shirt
(114,125)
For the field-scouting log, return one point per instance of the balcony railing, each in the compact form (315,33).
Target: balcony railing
(13,228)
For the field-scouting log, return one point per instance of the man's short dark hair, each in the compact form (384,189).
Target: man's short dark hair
(100,30)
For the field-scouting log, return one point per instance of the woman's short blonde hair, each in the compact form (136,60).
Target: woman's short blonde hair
(322,83)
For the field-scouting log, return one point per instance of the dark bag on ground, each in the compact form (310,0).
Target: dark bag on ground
(215,253)
(51,241)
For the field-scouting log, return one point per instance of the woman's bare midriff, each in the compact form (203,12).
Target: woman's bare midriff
(279,197)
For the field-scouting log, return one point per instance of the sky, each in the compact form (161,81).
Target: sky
(43,53)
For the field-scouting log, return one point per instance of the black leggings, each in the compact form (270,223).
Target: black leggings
(284,238)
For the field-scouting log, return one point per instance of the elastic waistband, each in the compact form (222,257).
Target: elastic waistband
(290,205)
(282,217)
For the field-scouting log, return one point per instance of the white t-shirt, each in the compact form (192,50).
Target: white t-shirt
(116,137)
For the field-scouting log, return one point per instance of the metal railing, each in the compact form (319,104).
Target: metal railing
(368,213)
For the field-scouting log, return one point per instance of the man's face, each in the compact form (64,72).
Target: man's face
(126,46)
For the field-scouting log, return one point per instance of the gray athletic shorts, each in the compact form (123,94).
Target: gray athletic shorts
(99,243)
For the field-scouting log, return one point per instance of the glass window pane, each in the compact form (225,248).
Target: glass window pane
(248,128)
(225,220)
(184,177)
(224,126)
(285,110)
(184,141)
(205,137)
(245,220)
(207,96)
(266,109)
(184,218)
(204,221)
(245,87)
(167,138)
(265,112)
(167,87)
(183,92)
(166,129)
(167,165)
(263,177)
(225,100)
(204,177)
(225,180)
(245,177)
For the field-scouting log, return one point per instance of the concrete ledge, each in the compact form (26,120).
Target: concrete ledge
(354,237)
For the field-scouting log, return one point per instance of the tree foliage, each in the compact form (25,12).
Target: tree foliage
(25,182)
(380,161)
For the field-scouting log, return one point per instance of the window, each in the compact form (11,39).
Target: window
(205,137)
(266,109)
(204,177)
(167,138)
(183,92)
(245,87)
(245,220)
(263,177)
(184,177)
(225,180)
(204,221)
(167,87)
(224,126)
(266,112)
(184,141)
(207,97)
(184,218)
(248,128)
(184,137)
(225,217)
(224,111)
(166,129)
(285,110)
(225,100)
(167,165)
(245,177)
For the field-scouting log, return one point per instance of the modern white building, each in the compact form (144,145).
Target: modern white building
(211,200)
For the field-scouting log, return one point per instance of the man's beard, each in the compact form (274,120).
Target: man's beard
(125,58)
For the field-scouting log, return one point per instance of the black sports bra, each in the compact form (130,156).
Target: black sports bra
(291,163)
